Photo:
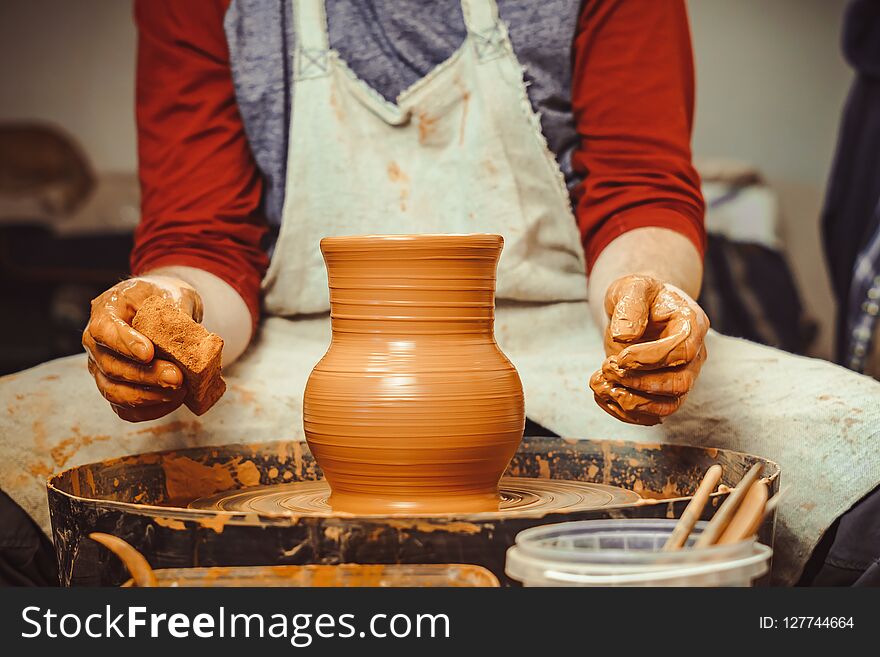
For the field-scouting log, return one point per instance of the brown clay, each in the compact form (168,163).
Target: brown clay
(177,337)
(414,409)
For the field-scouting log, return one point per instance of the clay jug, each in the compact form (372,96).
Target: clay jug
(413,409)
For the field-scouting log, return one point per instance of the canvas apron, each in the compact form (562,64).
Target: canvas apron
(460,151)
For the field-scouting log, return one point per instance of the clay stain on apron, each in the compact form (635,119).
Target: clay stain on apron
(465,100)
(335,106)
(398,177)
(427,127)
(68,448)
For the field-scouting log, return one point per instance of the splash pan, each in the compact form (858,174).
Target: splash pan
(189,507)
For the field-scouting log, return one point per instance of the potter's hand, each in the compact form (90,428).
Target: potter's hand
(138,386)
(654,344)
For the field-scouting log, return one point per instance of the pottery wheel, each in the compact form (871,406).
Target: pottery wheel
(518,495)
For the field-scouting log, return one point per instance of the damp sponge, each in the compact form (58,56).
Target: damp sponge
(180,339)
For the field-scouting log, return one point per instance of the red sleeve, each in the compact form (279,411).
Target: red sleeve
(633,101)
(200,187)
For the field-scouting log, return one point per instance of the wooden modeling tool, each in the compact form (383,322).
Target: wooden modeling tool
(773,502)
(725,513)
(134,561)
(694,509)
(748,517)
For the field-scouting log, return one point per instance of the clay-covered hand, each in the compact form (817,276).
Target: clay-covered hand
(138,386)
(654,344)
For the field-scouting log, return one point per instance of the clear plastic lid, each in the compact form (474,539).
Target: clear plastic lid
(597,552)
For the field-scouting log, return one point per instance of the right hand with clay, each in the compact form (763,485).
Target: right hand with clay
(138,386)
(655,349)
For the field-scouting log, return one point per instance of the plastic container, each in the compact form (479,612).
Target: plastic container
(376,575)
(629,553)
(312,575)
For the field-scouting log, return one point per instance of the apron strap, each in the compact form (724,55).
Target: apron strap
(485,29)
(479,15)
(311,56)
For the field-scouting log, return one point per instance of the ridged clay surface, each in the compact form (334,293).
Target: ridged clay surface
(414,409)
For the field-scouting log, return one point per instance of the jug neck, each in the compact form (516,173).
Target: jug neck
(413,285)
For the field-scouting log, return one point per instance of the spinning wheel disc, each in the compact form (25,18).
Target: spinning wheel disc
(518,495)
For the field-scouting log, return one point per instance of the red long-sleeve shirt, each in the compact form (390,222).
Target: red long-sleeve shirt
(632,98)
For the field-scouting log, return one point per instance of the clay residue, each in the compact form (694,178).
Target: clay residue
(338,112)
(40,470)
(170,523)
(245,395)
(427,126)
(281,452)
(217,522)
(669,490)
(454,527)
(136,459)
(465,102)
(607,461)
(90,481)
(397,176)
(189,479)
(39,433)
(67,448)
(297,459)
(248,474)
(177,426)
(543,468)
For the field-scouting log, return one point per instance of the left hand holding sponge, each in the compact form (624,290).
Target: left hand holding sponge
(139,379)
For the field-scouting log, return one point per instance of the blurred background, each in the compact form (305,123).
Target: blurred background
(771,84)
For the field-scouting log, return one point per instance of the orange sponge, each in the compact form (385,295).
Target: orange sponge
(197,351)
